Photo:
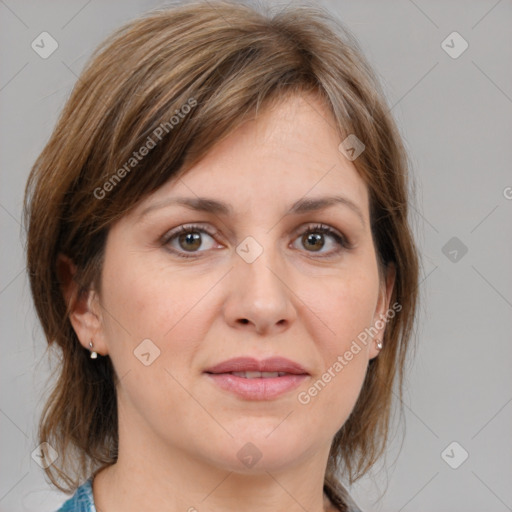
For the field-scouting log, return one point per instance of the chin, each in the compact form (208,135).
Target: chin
(254,450)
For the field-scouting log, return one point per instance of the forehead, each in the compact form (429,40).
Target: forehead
(290,151)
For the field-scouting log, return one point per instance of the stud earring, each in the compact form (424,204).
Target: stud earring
(379,344)
(94,354)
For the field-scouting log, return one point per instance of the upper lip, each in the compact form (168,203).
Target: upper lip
(250,364)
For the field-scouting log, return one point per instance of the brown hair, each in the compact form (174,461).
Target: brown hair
(226,61)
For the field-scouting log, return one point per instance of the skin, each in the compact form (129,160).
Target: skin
(180,433)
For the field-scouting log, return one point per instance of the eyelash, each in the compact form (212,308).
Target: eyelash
(193,228)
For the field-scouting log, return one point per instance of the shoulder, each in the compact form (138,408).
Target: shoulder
(81,501)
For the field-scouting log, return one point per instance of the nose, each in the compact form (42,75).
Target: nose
(259,297)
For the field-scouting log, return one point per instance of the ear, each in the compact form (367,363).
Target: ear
(383,306)
(84,308)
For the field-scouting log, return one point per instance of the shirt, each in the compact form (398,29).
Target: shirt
(83,500)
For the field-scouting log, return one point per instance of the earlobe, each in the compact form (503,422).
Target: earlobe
(83,314)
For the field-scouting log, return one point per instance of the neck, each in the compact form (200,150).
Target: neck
(115,492)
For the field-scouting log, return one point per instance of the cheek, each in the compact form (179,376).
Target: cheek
(348,306)
(147,301)
(355,313)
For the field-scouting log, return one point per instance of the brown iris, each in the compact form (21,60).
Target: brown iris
(192,239)
(314,239)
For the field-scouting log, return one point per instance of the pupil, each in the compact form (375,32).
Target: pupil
(315,240)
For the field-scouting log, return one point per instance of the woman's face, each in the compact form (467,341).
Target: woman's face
(246,281)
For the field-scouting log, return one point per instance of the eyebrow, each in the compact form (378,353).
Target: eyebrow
(303,205)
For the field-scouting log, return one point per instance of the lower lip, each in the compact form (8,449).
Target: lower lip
(257,389)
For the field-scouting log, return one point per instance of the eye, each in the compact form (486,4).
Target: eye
(188,238)
(314,240)
(191,238)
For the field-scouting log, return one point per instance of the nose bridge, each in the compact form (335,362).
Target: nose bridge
(259,292)
(260,265)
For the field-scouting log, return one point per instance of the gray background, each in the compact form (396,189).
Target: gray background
(456,118)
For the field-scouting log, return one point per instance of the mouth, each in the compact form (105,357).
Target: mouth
(259,375)
(251,368)
(250,379)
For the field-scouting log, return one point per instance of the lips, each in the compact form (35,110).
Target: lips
(251,368)
(250,379)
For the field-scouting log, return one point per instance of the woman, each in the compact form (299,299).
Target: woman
(252,369)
